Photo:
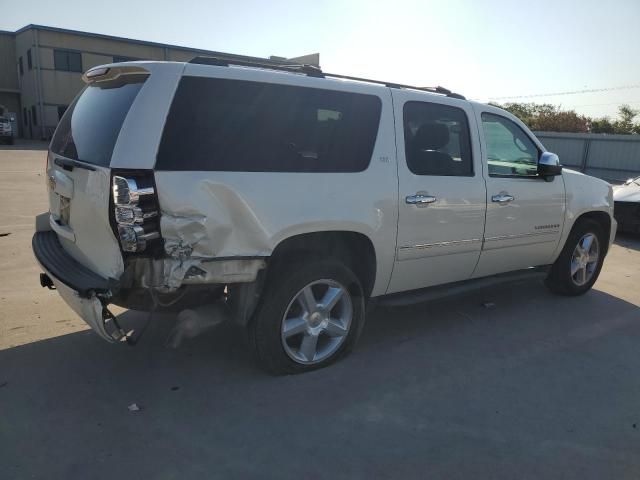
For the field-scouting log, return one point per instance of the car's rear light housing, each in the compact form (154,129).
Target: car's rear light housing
(133,238)
(127,193)
(133,215)
(135,211)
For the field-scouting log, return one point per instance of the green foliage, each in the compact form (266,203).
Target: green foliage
(602,125)
(546,117)
(625,125)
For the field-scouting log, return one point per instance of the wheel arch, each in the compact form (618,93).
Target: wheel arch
(355,249)
(602,217)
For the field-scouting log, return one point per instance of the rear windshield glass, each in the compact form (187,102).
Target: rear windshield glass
(89,128)
(232,125)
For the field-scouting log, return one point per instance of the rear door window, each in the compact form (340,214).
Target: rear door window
(89,128)
(231,125)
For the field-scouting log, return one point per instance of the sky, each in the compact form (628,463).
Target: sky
(484,49)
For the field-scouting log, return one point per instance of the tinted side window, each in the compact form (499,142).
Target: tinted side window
(232,125)
(436,139)
(510,151)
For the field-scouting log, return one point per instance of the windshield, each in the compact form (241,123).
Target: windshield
(90,127)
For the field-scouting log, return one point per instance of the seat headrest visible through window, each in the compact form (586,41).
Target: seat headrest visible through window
(431,136)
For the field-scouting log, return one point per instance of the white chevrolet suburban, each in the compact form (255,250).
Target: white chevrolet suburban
(286,199)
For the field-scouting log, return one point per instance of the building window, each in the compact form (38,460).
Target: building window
(34,118)
(67,61)
(29,63)
(121,58)
(61,110)
(21,66)
(24,115)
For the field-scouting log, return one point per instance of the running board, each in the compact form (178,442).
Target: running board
(457,288)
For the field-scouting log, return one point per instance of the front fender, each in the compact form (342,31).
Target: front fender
(585,194)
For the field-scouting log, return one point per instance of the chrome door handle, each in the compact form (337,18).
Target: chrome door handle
(420,199)
(502,198)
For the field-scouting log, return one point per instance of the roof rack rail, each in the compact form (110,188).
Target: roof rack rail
(440,90)
(309,70)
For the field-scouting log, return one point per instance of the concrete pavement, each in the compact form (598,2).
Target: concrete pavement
(538,386)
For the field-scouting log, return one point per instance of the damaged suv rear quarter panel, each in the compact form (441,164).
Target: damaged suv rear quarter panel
(207,215)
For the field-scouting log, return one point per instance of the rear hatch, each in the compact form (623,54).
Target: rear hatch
(78,169)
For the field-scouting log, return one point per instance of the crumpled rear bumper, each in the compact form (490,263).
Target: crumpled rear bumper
(86,292)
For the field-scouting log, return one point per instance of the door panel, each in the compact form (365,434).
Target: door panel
(441,217)
(525,213)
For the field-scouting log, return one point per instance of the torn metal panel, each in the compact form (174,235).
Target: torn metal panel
(224,271)
(209,220)
(88,309)
(184,233)
(168,274)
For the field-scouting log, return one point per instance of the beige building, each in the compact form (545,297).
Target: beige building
(41,69)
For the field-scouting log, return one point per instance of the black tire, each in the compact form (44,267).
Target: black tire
(10,141)
(280,290)
(559,280)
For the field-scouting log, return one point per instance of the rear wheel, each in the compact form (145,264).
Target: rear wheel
(579,264)
(310,315)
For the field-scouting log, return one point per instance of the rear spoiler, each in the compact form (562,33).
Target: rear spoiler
(106,73)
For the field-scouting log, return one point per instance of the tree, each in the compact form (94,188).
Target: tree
(602,125)
(625,124)
(561,121)
(548,118)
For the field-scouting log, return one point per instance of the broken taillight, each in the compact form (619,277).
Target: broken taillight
(135,210)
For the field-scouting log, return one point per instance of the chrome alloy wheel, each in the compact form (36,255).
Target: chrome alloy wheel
(584,260)
(316,322)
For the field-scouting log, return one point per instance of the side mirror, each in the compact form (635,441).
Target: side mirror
(549,165)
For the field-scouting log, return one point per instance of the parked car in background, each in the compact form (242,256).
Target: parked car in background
(626,199)
(294,197)
(6,131)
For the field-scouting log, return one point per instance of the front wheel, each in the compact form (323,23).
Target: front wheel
(579,264)
(310,314)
